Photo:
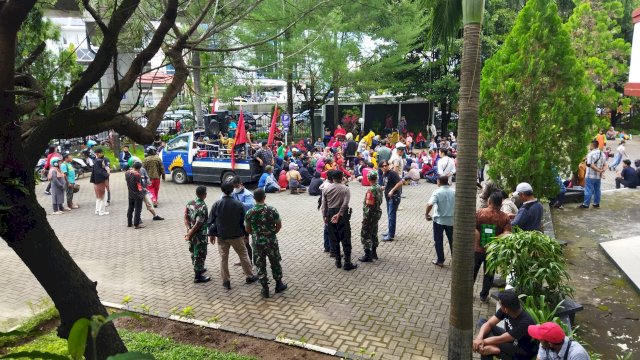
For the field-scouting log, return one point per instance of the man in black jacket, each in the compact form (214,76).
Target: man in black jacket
(136,195)
(226,224)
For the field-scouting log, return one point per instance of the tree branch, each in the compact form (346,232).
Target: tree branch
(13,14)
(32,58)
(94,14)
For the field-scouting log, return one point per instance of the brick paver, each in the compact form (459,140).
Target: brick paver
(397,306)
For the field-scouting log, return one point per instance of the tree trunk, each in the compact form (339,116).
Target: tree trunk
(336,102)
(197,87)
(461,311)
(30,235)
(444,123)
(290,98)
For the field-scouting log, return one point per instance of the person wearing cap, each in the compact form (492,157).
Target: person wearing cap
(371,213)
(99,178)
(596,161)
(512,342)
(155,169)
(554,344)
(529,216)
(337,215)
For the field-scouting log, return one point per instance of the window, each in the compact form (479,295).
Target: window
(181,143)
(170,69)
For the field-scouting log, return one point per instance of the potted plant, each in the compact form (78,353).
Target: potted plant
(533,262)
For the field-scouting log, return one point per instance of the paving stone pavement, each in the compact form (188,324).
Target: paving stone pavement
(397,307)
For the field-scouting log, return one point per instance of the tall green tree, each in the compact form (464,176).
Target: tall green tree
(601,49)
(537,111)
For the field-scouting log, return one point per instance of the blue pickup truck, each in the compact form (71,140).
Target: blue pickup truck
(187,159)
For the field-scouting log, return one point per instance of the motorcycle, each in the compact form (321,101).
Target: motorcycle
(40,169)
(81,167)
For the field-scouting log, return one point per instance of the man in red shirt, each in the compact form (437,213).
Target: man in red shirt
(490,223)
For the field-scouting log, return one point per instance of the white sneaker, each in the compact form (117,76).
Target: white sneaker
(57,213)
(104,213)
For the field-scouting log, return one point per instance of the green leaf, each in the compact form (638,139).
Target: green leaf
(34,355)
(120,315)
(78,338)
(12,333)
(131,356)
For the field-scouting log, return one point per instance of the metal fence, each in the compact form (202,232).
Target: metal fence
(300,127)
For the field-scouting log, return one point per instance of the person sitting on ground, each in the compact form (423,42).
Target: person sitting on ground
(529,216)
(305,174)
(628,176)
(314,187)
(268,182)
(554,344)
(511,343)
(294,180)
(318,145)
(611,134)
(357,170)
(413,175)
(282,178)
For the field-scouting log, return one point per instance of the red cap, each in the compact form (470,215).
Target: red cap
(549,332)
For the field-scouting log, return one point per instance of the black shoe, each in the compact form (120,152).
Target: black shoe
(437,263)
(280,286)
(47,192)
(338,262)
(155,205)
(227,285)
(157,217)
(204,270)
(374,253)
(252,279)
(582,206)
(366,258)
(129,225)
(265,290)
(596,206)
(332,255)
(201,279)
(483,299)
(349,266)
(326,250)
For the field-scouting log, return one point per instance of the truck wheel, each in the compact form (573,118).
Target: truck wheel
(179,176)
(227,176)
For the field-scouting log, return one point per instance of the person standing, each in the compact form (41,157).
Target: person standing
(58,184)
(195,218)
(99,177)
(397,161)
(245,196)
(337,216)
(52,153)
(263,222)
(155,169)
(392,194)
(490,223)
(371,213)
(136,195)
(226,224)
(264,155)
(384,154)
(70,176)
(144,178)
(402,125)
(593,177)
(621,153)
(443,199)
(124,157)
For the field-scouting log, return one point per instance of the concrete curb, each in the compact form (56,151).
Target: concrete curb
(236,330)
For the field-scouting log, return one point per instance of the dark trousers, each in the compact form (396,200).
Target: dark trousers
(247,244)
(623,182)
(438,239)
(508,351)
(487,279)
(327,240)
(339,233)
(134,210)
(69,196)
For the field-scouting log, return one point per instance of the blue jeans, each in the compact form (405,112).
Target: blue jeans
(327,241)
(271,188)
(380,179)
(592,188)
(392,208)
(438,239)
(617,159)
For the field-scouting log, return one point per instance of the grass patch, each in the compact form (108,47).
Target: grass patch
(162,348)
(30,327)
(113,157)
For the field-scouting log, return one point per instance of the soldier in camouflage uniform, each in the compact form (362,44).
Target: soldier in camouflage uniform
(371,213)
(264,223)
(195,218)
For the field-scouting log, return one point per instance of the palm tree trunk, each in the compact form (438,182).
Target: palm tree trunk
(461,315)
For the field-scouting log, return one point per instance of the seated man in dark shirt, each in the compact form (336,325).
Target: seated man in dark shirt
(529,216)
(512,342)
(628,177)
(314,186)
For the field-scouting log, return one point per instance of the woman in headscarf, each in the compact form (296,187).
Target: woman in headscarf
(58,185)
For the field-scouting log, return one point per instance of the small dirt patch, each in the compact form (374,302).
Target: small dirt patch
(218,339)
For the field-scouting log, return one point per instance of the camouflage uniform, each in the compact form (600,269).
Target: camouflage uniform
(370,216)
(196,211)
(262,219)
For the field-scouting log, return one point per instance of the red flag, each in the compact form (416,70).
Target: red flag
(239,139)
(272,129)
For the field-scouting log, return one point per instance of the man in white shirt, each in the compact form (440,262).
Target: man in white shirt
(446,165)
(397,161)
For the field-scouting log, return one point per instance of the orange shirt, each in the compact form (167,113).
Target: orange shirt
(601,141)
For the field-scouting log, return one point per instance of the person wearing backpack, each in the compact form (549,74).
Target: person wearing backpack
(491,222)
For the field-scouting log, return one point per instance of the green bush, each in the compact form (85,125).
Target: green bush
(534,261)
